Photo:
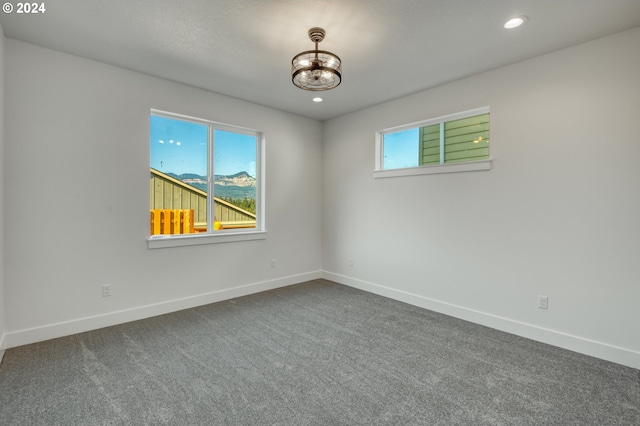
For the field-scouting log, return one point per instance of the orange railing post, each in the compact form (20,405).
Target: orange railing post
(155,222)
(171,221)
(175,222)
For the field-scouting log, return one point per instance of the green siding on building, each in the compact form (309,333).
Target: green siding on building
(168,193)
(430,144)
(466,139)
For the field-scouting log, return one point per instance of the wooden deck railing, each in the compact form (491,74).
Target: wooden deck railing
(165,221)
(181,221)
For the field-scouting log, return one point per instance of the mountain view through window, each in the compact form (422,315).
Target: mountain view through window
(203,177)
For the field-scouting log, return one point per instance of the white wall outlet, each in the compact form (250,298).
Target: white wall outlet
(273,264)
(106,290)
(543,302)
(351,263)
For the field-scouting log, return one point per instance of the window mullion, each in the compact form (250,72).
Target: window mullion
(210,182)
(442,142)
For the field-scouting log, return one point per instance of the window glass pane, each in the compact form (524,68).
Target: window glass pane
(178,192)
(455,141)
(203,177)
(234,166)
(400,149)
(467,139)
(430,144)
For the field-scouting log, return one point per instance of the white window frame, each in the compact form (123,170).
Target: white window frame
(220,236)
(380,172)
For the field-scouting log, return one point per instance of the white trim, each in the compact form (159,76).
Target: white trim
(257,233)
(66,328)
(205,121)
(560,339)
(379,144)
(436,169)
(261,194)
(164,241)
(442,138)
(442,118)
(557,338)
(210,177)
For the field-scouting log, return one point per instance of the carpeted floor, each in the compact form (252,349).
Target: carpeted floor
(317,353)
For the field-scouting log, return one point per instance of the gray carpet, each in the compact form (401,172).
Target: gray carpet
(317,353)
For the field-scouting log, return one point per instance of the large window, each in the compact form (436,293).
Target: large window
(459,140)
(205,179)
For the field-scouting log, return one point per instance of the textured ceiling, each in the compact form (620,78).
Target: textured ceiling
(243,48)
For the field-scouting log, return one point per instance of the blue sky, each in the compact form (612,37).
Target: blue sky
(233,153)
(401,149)
(181,147)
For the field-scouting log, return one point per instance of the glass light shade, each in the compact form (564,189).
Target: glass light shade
(316,70)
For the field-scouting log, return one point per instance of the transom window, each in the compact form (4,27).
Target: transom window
(460,139)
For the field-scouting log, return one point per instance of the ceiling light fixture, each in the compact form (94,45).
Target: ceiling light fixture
(317,100)
(515,22)
(316,70)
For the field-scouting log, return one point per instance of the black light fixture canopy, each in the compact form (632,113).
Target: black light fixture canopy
(316,70)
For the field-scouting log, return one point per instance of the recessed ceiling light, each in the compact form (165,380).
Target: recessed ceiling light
(515,22)
(317,99)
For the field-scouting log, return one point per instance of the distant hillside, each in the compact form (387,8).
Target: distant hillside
(237,175)
(239,179)
(240,185)
(237,192)
(186,176)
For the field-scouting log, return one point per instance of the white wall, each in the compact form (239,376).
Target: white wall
(77,199)
(558,214)
(2,263)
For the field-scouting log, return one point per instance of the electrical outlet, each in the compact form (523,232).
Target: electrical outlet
(273,263)
(543,302)
(106,290)
(351,263)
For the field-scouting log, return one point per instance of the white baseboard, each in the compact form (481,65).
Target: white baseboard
(52,331)
(556,338)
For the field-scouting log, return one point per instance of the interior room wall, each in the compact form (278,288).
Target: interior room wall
(557,215)
(2,193)
(77,198)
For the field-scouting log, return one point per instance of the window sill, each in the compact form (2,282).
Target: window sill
(162,241)
(437,169)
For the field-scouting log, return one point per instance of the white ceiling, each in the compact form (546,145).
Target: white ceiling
(243,48)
